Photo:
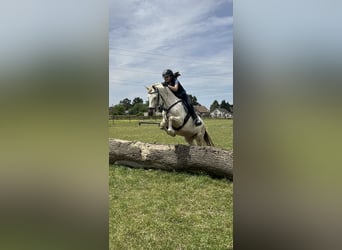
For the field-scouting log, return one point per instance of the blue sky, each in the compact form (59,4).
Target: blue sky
(194,37)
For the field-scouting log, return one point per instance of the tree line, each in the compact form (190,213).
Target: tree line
(137,106)
(223,104)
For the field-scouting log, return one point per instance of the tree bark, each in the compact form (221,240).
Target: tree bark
(195,159)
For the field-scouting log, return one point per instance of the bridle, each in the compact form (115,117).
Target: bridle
(159,96)
(167,110)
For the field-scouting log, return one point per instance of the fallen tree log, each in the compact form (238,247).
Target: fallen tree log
(194,159)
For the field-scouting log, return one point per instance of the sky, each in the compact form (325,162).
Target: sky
(194,37)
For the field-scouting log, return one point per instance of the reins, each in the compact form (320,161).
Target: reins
(158,97)
(167,110)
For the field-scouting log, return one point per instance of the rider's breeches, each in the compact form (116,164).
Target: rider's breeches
(186,99)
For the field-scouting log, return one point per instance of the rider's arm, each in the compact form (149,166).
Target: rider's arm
(174,88)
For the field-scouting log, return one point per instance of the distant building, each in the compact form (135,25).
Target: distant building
(202,110)
(220,113)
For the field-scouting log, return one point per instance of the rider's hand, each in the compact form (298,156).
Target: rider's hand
(164,84)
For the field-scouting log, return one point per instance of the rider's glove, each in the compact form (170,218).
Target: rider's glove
(164,84)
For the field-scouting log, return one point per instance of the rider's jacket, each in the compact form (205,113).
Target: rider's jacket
(180,93)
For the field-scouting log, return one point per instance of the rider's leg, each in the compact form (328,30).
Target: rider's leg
(192,111)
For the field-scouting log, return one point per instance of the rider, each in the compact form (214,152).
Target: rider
(176,87)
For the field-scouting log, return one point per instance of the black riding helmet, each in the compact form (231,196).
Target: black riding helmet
(167,72)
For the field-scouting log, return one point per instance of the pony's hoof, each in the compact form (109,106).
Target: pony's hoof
(162,125)
(171,132)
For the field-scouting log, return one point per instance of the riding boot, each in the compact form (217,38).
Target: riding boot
(196,120)
(192,112)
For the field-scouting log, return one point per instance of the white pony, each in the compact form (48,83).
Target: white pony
(176,121)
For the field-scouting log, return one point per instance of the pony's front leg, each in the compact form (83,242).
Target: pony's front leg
(163,123)
(170,130)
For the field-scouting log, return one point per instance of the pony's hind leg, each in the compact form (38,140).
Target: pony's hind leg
(200,138)
(190,140)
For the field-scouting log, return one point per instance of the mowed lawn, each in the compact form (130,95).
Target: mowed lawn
(220,130)
(152,209)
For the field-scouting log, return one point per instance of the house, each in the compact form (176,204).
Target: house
(220,113)
(202,111)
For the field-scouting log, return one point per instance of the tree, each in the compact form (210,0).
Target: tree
(138,109)
(126,103)
(225,105)
(230,108)
(110,110)
(118,109)
(214,105)
(194,100)
(213,161)
(137,100)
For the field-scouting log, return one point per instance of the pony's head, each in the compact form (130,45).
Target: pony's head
(154,100)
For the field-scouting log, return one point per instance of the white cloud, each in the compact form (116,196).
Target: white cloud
(148,36)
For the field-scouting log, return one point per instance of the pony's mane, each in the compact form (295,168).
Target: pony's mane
(161,87)
(157,84)
(151,87)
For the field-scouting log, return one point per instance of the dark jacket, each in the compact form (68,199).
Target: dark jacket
(180,93)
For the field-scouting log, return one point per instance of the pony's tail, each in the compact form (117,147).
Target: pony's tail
(208,139)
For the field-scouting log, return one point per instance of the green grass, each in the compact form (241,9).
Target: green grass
(161,210)
(151,209)
(220,130)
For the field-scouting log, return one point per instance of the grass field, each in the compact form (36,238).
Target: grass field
(220,130)
(152,209)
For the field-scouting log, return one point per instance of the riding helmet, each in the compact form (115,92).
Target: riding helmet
(167,72)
